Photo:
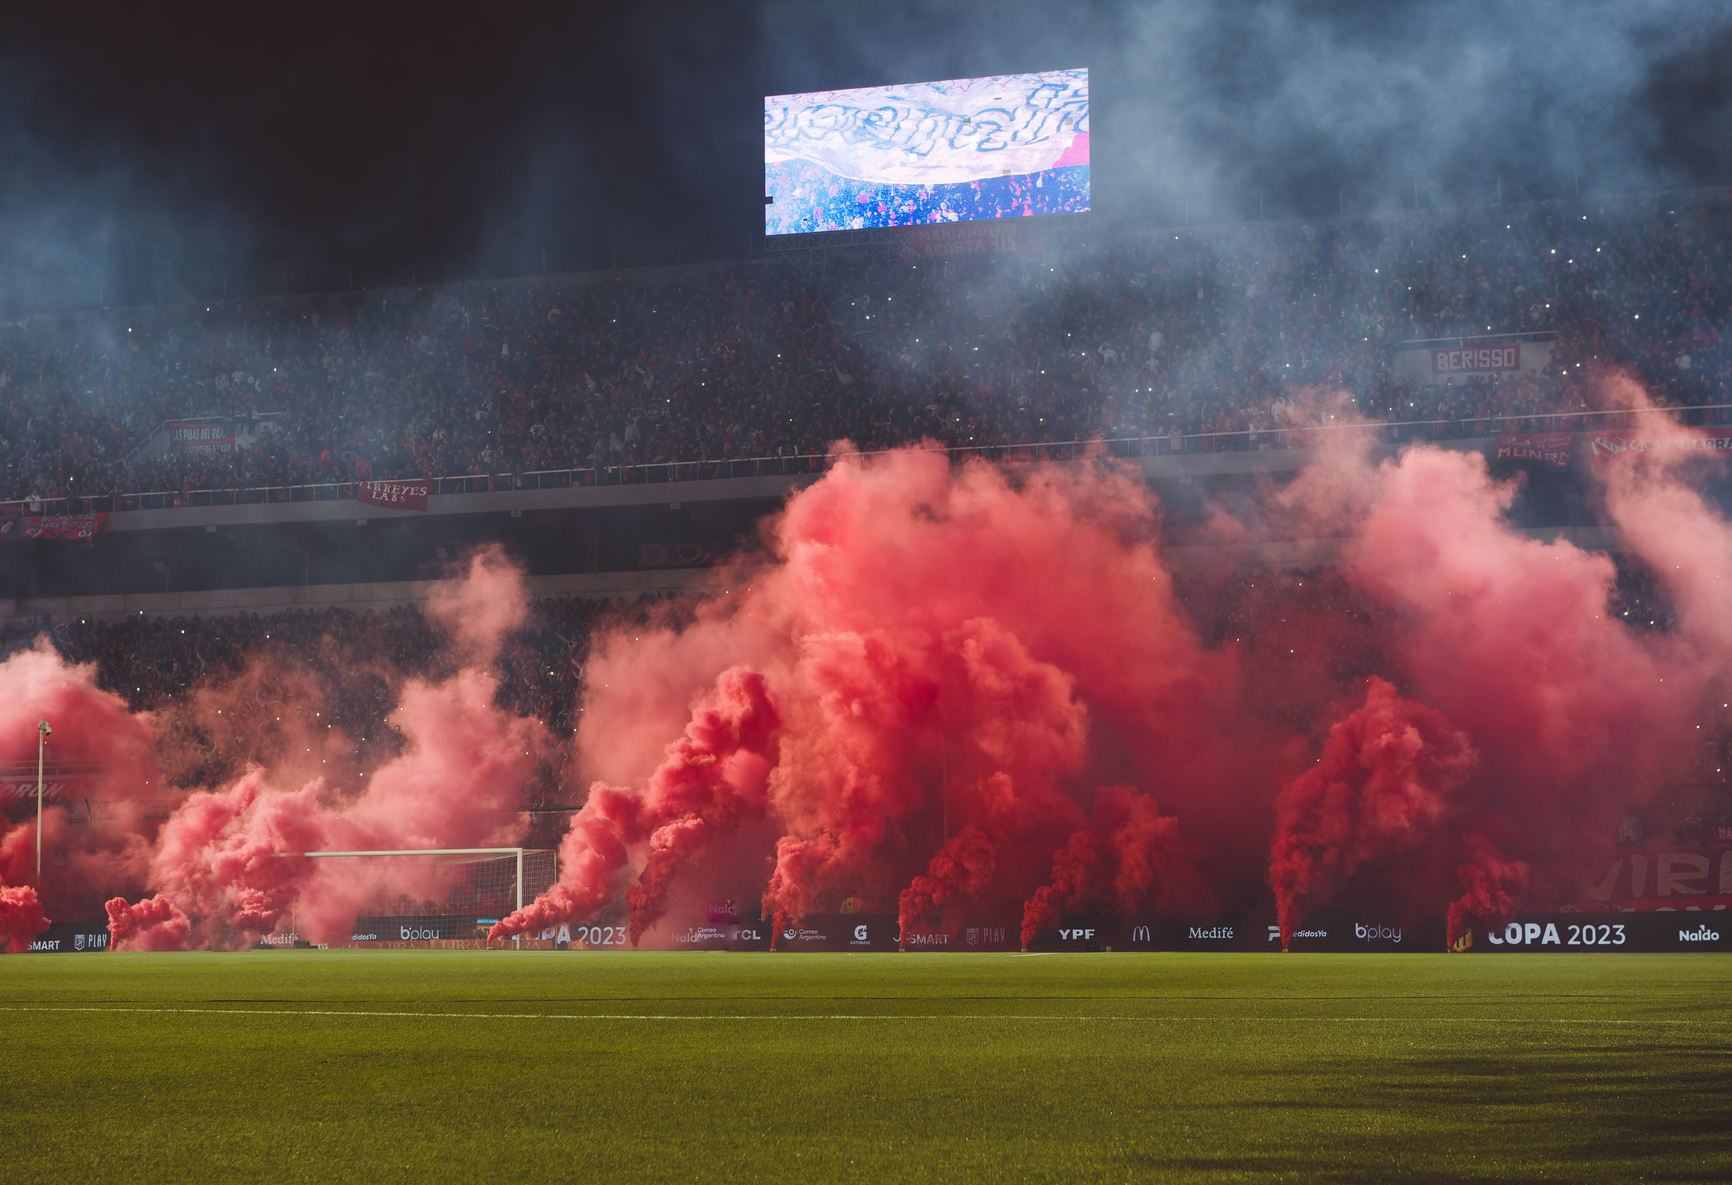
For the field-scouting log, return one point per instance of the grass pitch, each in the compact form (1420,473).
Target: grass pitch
(500,1066)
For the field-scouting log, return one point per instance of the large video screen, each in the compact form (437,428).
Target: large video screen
(1014,146)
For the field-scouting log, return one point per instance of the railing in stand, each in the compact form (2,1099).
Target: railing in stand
(798,464)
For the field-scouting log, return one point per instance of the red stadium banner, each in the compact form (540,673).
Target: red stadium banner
(1477,357)
(1611,447)
(201,438)
(1551,447)
(53,526)
(1452,359)
(683,555)
(396,495)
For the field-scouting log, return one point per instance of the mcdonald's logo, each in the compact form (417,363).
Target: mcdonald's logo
(1140,934)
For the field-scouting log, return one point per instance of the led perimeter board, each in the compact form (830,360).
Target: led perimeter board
(970,149)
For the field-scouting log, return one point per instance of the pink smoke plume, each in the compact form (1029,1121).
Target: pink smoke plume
(1133,859)
(228,859)
(1074,867)
(21,917)
(1491,881)
(708,779)
(1384,781)
(151,924)
(1513,640)
(937,672)
(482,607)
(918,630)
(962,867)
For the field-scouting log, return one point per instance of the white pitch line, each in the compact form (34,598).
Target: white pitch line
(855,1016)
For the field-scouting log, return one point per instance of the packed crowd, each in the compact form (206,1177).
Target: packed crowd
(1208,330)
(341,664)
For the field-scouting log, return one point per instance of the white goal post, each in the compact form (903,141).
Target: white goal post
(444,881)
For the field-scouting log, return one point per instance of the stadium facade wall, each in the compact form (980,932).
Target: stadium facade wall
(1276,555)
(1170,467)
(231,602)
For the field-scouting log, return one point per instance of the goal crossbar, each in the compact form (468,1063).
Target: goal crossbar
(517,852)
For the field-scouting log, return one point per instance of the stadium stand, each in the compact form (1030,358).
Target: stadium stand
(1196,338)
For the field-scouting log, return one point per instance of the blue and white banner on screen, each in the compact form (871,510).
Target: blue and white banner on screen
(964,150)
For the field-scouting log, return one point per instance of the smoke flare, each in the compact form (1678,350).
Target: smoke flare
(1382,784)
(20,917)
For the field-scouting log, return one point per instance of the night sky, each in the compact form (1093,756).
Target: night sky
(164,152)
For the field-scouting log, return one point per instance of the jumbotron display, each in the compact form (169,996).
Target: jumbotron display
(965,150)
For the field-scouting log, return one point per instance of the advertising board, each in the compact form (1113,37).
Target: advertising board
(69,938)
(1665,930)
(1258,931)
(1456,359)
(839,932)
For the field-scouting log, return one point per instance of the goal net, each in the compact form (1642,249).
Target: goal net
(435,882)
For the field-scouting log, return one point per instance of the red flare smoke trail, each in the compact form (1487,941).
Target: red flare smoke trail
(20,917)
(1074,867)
(706,781)
(962,867)
(922,637)
(1382,785)
(1133,859)
(151,924)
(919,631)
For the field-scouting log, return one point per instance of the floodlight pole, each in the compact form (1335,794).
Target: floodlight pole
(42,731)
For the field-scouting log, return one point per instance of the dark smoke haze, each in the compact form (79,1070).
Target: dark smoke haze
(148,158)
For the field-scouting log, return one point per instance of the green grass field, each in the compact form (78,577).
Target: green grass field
(502,1066)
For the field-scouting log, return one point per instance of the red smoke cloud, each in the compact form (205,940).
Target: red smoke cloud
(964,645)
(962,867)
(113,750)
(1512,639)
(989,646)
(1074,867)
(1133,860)
(1492,883)
(152,924)
(1382,785)
(708,780)
(941,673)
(20,917)
(226,859)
